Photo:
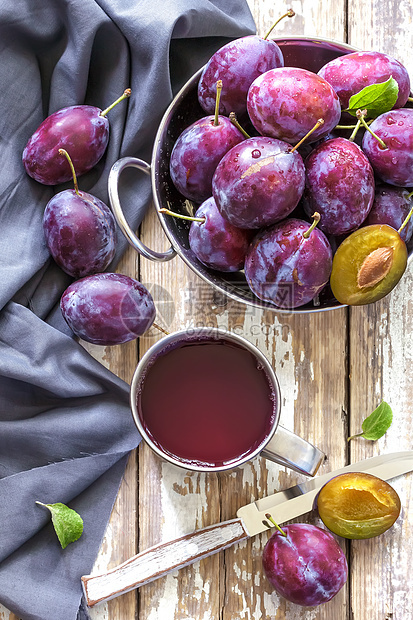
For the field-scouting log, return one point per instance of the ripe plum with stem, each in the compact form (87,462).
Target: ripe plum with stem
(391,206)
(339,185)
(286,102)
(79,229)
(198,150)
(289,263)
(304,563)
(216,242)
(82,130)
(258,182)
(388,143)
(238,63)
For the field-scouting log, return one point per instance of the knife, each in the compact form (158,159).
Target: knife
(163,558)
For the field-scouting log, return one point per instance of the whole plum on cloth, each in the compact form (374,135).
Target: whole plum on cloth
(65,423)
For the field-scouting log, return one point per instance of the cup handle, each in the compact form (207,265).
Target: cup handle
(113,183)
(287,448)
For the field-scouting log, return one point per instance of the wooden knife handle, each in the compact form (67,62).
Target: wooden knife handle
(161,559)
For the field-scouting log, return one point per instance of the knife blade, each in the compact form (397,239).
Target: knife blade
(285,505)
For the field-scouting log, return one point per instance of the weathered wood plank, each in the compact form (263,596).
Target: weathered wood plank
(173,501)
(382,367)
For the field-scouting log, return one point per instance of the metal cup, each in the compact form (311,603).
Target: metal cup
(279,445)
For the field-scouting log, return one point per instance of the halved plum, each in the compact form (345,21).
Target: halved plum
(358,505)
(368,264)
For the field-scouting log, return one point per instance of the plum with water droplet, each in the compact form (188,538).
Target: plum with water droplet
(197,152)
(392,206)
(393,164)
(258,182)
(217,243)
(339,185)
(108,308)
(82,130)
(349,74)
(306,565)
(289,263)
(287,102)
(237,64)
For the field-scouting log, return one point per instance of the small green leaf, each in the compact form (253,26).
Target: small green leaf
(376,98)
(68,524)
(377,423)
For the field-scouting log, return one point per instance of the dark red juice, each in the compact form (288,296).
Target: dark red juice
(207,403)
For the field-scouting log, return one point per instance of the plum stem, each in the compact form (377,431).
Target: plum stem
(307,135)
(127,93)
(217,100)
(66,154)
(183,217)
(234,121)
(161,329)
(410,99)
(355,131)
(269,517)
(316,219)
(354,436)
(289,13)
(409,215)
(353,126)
(360,115)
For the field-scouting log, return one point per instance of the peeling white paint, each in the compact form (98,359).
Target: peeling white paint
(185,506)
(101,565)
(165,609)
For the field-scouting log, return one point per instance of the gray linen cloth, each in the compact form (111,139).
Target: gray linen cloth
(65,423)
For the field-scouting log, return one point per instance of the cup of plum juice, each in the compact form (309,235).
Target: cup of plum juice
(208,400)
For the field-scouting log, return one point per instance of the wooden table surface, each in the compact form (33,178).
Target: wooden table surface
(334,368)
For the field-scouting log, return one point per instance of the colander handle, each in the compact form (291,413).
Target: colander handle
(113,184)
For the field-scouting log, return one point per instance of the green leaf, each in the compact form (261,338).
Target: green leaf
(376,98)
(68,524)
(377,423)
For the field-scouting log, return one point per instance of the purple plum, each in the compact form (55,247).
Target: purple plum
(107,308)
(391,206)
(307,566)
(339,185)
(82,130)
(393,164)
(287,264)
(258,182)
(286,103)
(197,152)
(349,74)
(217,243)
(237,64)
(80,232)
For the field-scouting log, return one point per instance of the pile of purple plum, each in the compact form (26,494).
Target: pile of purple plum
(314,199)
(80,231)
